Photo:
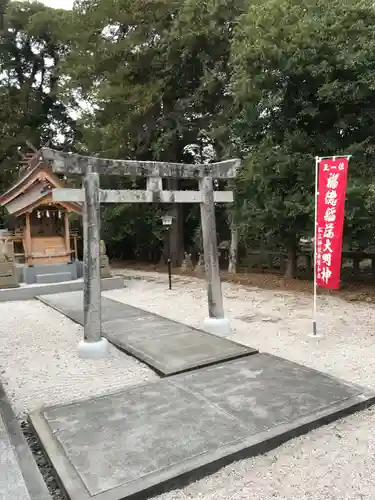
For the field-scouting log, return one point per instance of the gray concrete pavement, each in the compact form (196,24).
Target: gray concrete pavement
(123,444)
(165,345)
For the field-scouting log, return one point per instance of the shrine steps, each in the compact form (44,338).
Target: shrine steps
(51,273)
(53,277)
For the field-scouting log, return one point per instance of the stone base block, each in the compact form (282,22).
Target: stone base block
(53,278)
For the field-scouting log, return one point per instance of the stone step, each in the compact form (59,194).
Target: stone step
(42,279)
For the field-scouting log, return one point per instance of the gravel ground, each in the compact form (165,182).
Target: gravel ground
(43,464)
(333,462)
(274,322)
(39,365)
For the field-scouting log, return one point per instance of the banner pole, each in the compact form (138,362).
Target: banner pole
(331,181)
(317,159)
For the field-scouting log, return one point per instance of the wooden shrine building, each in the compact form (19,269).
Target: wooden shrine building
(41,234)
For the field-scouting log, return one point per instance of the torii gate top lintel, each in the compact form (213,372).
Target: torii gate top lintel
(71,163)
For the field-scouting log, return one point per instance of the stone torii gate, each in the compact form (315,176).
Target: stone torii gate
(93,345)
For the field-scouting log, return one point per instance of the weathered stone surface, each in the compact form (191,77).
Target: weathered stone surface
(140,196)
(112,447)
(8,275)
(69,163)
(187,264)
(211,256)
(167,346)
(199,268)
(91,270)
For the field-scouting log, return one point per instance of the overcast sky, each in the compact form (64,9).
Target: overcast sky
(60,4)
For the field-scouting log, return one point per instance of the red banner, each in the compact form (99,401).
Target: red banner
(332,174)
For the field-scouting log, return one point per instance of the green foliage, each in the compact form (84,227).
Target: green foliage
(155,75)
(32,46)
(303,81)
(277,199)
(156,72)
(359,229)
(275,82)
(133,232)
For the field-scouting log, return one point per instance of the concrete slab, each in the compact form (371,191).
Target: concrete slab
(12,484)
(168,347)
(175,351)
(127,444)
(20,478)
(71,305)
(123,331)
(28,292)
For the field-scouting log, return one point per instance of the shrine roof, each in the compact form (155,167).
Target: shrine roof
(32,189)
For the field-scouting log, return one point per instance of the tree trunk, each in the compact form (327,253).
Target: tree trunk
(177,236)
(174,243)
(232,265)
(291,264)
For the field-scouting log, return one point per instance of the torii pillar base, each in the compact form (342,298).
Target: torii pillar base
(93,350)
(217,326)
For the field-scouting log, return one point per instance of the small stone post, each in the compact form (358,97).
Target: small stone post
(93,346)
(8,275)
(232,265)
(216,323)
(105,272)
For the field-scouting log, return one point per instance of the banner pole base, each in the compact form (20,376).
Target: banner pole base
(314,334)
